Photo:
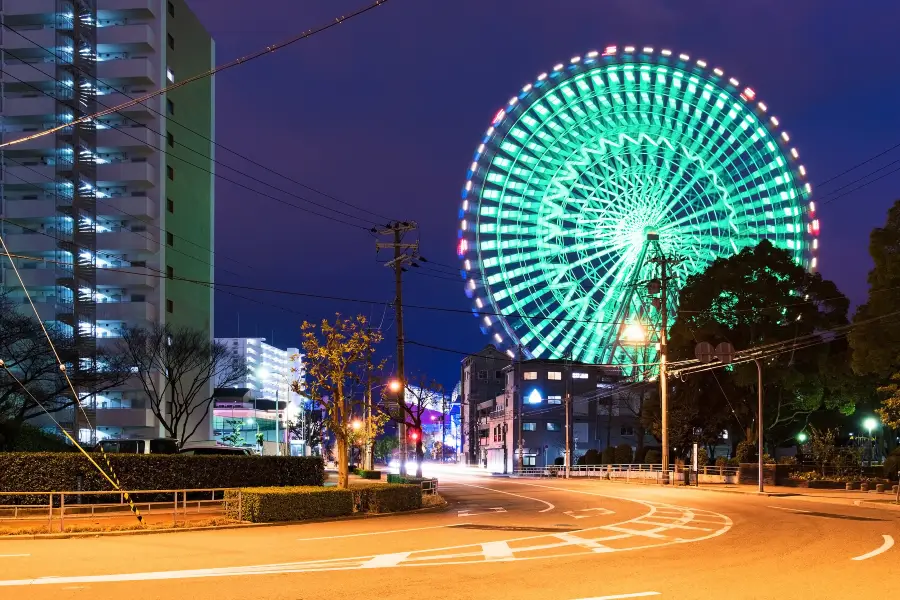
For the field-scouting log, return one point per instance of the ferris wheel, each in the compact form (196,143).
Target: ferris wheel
(602,163)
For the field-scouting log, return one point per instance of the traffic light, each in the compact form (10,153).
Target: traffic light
(414,434)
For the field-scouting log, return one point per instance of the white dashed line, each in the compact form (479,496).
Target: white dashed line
(617,596)
(796,510)
(887,545)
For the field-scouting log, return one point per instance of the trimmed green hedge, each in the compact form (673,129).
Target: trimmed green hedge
(56,471)
(273,504)
(364,474)
(387,497)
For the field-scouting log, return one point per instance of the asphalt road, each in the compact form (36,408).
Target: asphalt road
(499,538)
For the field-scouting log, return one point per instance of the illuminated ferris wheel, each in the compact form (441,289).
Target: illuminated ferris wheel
(598,164)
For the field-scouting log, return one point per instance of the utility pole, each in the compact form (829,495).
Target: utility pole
(520,400)
(396,229)
(369,459)
(568,401)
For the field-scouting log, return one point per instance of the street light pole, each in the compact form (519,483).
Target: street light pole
(277,436)
(759,420)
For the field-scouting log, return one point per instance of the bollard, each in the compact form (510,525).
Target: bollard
(175,511)
(50,523)
(848,486)
(879,487)
(864,486)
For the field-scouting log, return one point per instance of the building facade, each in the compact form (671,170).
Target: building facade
(118,207)
(270,370)
(481,381)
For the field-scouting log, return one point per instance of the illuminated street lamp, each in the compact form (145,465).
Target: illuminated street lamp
(394,385)
(634,333)
(870,423)
(802,437)
(356,424)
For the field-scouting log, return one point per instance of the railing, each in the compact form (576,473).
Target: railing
(628,472)
(61,508)
(429,486)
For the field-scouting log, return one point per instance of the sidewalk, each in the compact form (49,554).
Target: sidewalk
(854,497)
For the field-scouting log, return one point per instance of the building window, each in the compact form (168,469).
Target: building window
(554,399)
(170,272)
(170,107)
(553,426)
(482,375)
(171,9)
(170,306)
(171,41)
(170,139)
(528,461)
(554,375)
(529,426)
(579,375)
(170,205)
(498,374)
(170,172)
(170,75)
(627,430)
(530,375)
(170,239)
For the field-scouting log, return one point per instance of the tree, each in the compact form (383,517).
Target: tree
(762,296)
(27,355)
(820,446)
(385,446)
(177,367)
(235,437)
(337,356)
(411,410)
(308,429)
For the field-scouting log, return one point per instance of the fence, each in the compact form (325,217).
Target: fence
(644,473)
(61,508)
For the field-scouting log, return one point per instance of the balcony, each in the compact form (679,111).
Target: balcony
(125,280)
(43,72)
(136,206)
(126,241)
(30,242)
(109,175)
(30,209)
(115,99)
(124,417)
(28,44)
(132,9)
(126,71)
(111,139)
(126,311)
(38,107)
(125,38)
(29,12)
(28,177)
(32,278)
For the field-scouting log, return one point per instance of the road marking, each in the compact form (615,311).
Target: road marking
(497,550)
(13,555)
(796,510)
(386,560)
(349,535)
(583,542)
(616,596)
(888,543)
(465,512)
(549,506)
(676,526)
(602,511)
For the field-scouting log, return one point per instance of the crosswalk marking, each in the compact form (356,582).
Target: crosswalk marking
(495,550)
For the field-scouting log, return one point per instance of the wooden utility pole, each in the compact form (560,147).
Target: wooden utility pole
(396,229)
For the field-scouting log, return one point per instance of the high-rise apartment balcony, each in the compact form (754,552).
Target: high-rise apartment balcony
(27,43)
(30,242)
(29,12)
(30,209)
(125,172)
(112,100)
(126,241)
(137,206)
(127,71)
(125,38)
(131,280)
(126,311)
(28,72)
(126,137)
(30,176)
(32,278)
(132,9)
(37,107)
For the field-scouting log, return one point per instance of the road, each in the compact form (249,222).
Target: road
(499,538)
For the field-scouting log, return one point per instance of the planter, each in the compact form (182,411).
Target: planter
(849,486)
(879,487)
(864,486)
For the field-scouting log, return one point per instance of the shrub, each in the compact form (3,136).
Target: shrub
(591,457)
(640,456)
(364,474)
(746,452)
(559,461)
(733,462)
(64,471)
(272,504)
(387,497)
(609,456)
(721,462)
(624,454)
(702,457)
(653,457)
(787,460)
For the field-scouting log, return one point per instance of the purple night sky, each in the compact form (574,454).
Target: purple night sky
(385,111)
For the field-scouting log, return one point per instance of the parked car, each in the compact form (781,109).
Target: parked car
(203,450)
(139,446)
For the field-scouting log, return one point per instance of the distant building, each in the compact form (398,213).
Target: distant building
(481,381)
(270,369)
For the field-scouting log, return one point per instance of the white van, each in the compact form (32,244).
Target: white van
(139,446)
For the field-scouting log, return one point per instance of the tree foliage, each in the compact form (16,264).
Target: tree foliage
(27,355)
(177,368)
(338,356)
(761,296)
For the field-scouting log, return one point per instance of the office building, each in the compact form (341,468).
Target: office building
(113,202)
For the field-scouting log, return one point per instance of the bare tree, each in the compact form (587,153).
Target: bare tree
(309,428)
(27,355)
(421,395)
(337,356)
(177,368)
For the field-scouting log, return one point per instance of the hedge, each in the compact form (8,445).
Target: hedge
(624,454)
(55,471)
(364,474)
(273,504)
(387,497)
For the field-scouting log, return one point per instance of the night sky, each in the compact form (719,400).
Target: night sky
(385,111)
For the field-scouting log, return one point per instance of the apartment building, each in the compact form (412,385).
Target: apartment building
(481,381)
(270,370)
(113,202)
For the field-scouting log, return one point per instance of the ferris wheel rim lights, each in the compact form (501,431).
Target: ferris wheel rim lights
(642,59)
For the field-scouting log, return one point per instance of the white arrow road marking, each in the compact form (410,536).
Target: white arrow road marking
(616,596)
(888,543)
(598,511)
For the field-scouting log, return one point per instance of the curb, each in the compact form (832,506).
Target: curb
(90,534)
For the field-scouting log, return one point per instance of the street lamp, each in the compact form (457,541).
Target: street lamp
(394,385)
(356,424)
(802,437)
(870,423)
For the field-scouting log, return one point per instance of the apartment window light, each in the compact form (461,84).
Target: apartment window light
(579,375)
(530,376)
(529,426)
(554,375)
(170,75)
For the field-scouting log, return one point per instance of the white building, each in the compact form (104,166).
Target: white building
(270,369)
(109,202)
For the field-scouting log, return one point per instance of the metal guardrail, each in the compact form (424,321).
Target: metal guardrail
(622,471)
(56,512)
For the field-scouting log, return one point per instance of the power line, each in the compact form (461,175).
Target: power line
(858,165)
(234,63)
